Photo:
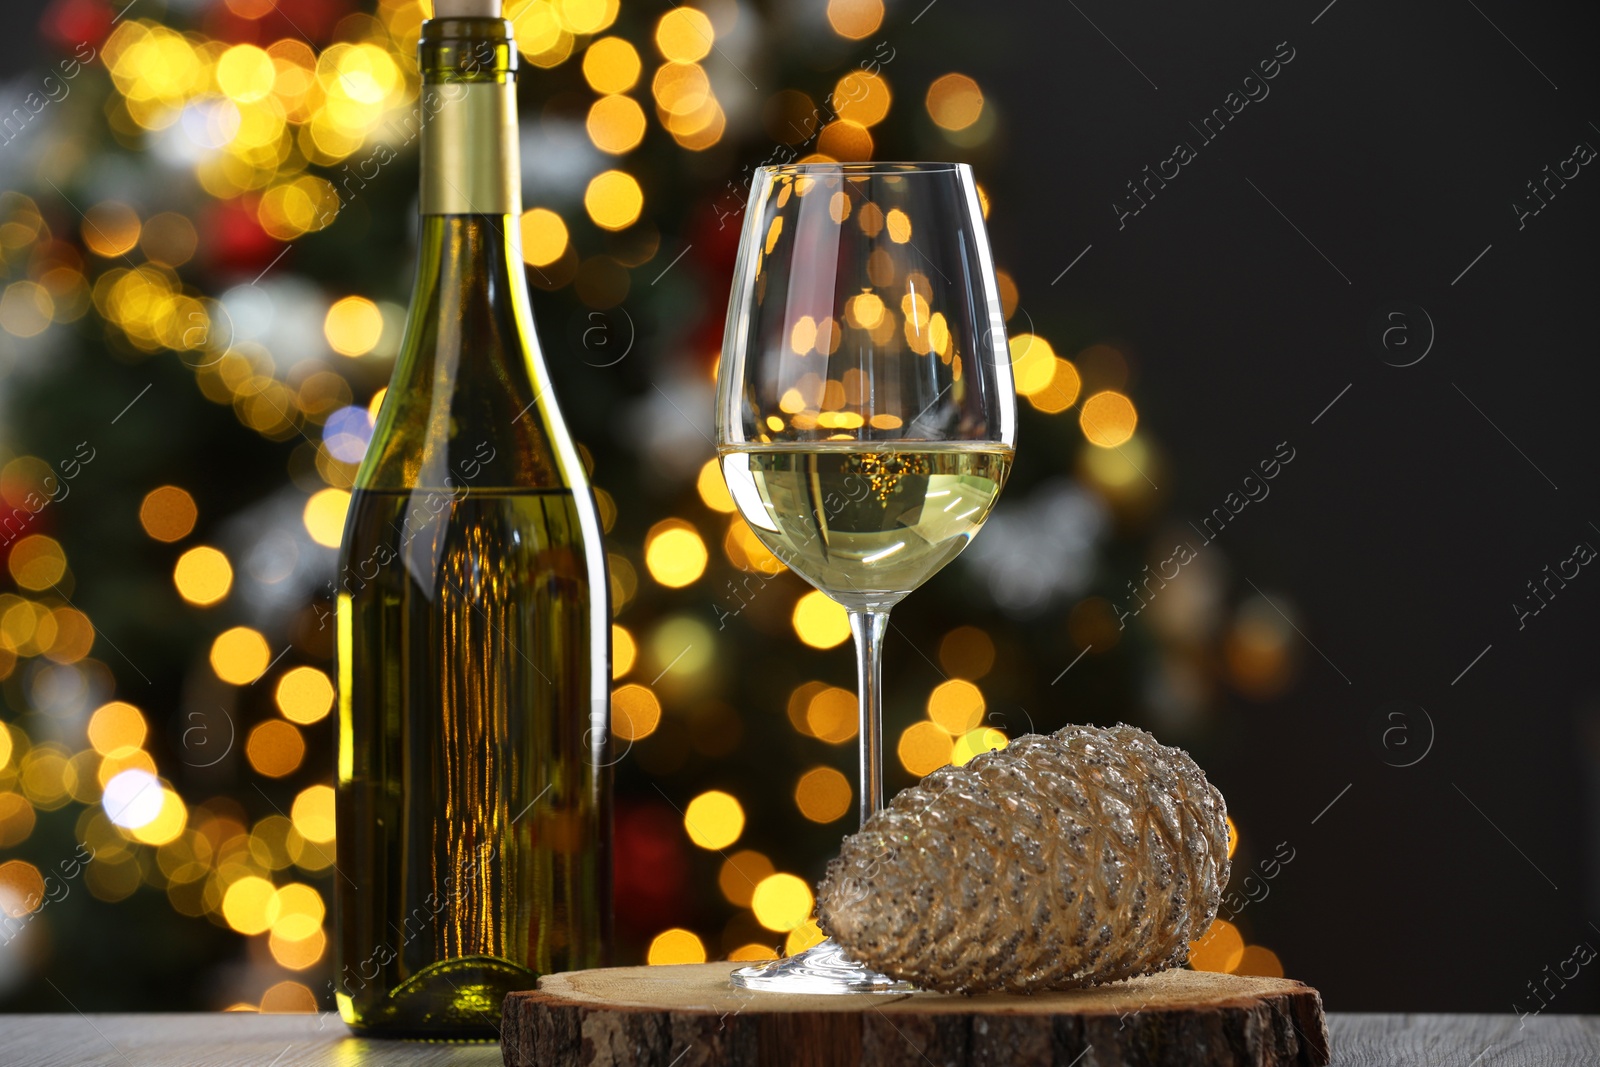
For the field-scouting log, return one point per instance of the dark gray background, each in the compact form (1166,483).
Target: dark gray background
(1396,141)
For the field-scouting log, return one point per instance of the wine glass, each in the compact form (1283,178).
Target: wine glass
(865,414)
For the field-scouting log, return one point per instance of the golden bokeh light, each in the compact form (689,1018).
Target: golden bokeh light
(110,229)
(864,310)
(288,998)
(586,16)
(74,637)
(683,95)
(544,236)
(245,73)
(714,819)
(751,953)
(299,206)
(823,794)
(684,35)
(169,821)
(635,712)
(898,223)
(203,575)
(954,101)
(682,645)
(611,65)
(353,326)
(924,747)
(37,562)
(250,905)
(781,902)
(975,743)
(807,935)
(240,655)
(1260,961)
(26,309)
(297,954)
(1220,949)
(739,875)
(313,814)
(275,748)
(624,650)
(17,820)
(713,488)
(746,551)
(862,97)
(855,19)
(21,888)
(802,339)
(845,141)
(799,704)
(613,200)
(324,516)
(1121,472)
(833,715)
(127,758)
(700,129)
(616,123)
(1032,363)
(541,36)
(674,553)
(44,771)
(304,695)
(1108,419)
(115,725)
(956,706)
(1060,392)
(168,513)
(1233,836)
(675,946)
(300,912)
(820,622)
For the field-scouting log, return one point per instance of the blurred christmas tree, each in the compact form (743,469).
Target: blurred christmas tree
(207,244)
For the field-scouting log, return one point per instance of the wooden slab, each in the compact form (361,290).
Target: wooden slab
(688,1015)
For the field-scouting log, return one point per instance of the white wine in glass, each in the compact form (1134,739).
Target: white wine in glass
(866,416)
(866,523)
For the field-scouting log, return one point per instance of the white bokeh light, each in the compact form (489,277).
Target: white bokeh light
(132,798)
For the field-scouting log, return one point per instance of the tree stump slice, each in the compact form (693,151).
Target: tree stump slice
(688,1016)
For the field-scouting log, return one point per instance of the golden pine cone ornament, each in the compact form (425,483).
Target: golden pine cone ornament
(1086,856)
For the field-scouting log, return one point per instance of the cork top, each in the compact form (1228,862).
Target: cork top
(466,9)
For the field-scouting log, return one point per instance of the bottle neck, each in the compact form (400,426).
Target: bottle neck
(470,159)
(471,187)
(468,405)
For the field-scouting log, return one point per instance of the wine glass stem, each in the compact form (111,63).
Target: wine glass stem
(869,628)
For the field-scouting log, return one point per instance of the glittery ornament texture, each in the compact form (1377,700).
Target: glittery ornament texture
(1085,856)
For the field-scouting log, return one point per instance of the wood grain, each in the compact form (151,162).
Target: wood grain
(1465,1040)
(689,1015)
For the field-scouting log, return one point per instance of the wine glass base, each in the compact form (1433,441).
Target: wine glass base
(823,968)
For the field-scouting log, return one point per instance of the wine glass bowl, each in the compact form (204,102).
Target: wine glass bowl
(862,296)
(866,414)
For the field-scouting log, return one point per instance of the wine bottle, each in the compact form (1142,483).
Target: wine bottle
(472,612)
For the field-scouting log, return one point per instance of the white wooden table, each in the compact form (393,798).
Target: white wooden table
(249,1040)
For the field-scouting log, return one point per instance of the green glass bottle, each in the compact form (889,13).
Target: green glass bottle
(474,822)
